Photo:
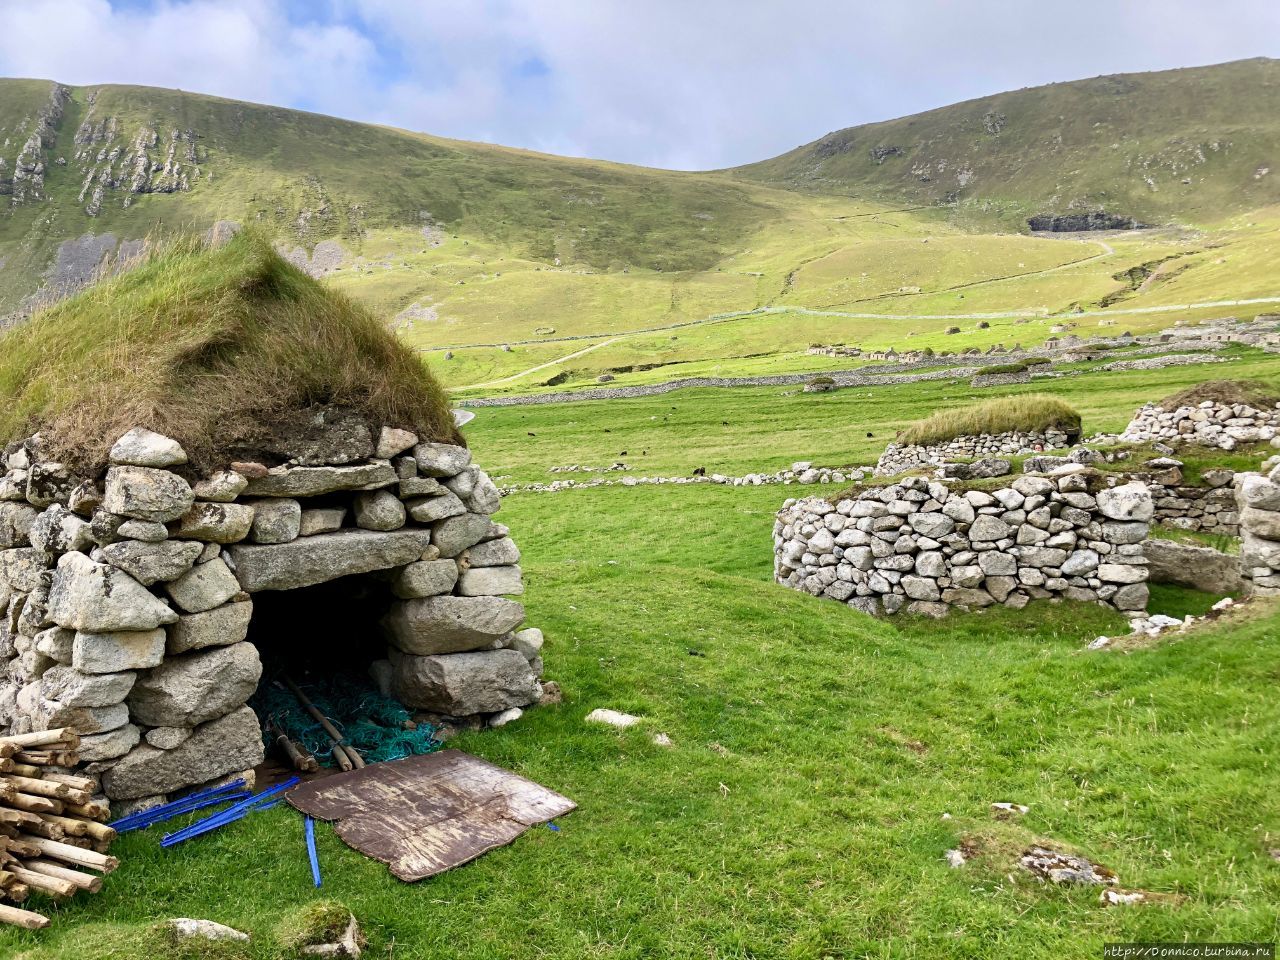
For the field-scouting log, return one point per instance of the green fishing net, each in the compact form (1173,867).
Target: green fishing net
(375,725)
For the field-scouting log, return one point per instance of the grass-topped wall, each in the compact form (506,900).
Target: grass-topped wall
(1025,413)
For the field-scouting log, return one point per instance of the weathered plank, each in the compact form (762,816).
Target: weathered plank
(424,815)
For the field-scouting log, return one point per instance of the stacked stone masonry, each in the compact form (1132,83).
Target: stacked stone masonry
(126,599)
(1208,423)
(900,458)
(920,545)
(1258,495)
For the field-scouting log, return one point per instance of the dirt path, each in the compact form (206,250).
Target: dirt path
(541,366)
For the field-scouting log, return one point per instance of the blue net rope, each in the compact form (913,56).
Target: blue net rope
(375,725)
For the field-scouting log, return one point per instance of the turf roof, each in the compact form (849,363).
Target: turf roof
(213,347)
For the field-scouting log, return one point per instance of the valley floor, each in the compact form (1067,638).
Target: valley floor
(800,811)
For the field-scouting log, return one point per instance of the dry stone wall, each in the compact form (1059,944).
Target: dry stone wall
(1208,423)
(923,546)
(1259,500)
(126,599)
(898,458)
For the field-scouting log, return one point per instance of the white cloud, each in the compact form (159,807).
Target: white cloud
(664,82)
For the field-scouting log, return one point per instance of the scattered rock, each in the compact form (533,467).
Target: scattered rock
(611,717)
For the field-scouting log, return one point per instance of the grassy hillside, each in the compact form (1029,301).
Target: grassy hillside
(497,256)
(153,156)
(1174,146)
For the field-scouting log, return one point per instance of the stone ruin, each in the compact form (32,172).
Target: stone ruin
(925,546)
(1209,423)
(898,458)
(1258,495)
(137,602)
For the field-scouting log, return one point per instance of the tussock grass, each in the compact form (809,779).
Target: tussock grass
(1035,411)
(1253,393)
(211,347)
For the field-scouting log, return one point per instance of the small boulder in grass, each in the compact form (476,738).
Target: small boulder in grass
(1006,811)
(612,718)
(186,928)
(1059,867)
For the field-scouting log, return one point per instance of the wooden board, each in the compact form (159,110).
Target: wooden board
(424,815)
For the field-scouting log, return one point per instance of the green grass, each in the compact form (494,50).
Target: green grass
(211,347)
(1024,413)
(799,814)
(764,429)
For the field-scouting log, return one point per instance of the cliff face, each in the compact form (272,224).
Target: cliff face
(23,180)
(112,157)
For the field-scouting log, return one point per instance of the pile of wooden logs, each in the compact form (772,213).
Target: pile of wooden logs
(52,827)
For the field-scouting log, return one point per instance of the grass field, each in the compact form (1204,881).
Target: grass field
(799,813)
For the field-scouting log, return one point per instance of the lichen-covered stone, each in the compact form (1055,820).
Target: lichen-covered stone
(222,625)
(188,690)
(221,746)
(216,522)
(462,684)
(97,597)
(150,563)
(143,448)
(203,587)
(145,493)
(327,556)
(448,624)
(276,520)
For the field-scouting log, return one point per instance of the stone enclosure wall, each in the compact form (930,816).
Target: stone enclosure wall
(921,545)
(1259,500)
(127,598)
(1209,423)
(900,458)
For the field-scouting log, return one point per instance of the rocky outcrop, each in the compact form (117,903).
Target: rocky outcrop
(1078,222)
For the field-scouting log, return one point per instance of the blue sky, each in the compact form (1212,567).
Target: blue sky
(675,83)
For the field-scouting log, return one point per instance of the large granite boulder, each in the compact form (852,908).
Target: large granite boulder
(204,586)
(462,684)
(1130,502)
(114,652)
(219,747)
(72,688)
(150,563)
(311,560)
(191,689)
(220,626)
(316,481)
(98,597)
(448,624)
(144,448)
(441,459)
(216,522)
(145,493)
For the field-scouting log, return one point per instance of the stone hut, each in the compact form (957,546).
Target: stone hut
(340,528)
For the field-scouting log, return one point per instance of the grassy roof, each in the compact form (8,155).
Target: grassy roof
(1249,392)
(211,347)
(1027,412)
